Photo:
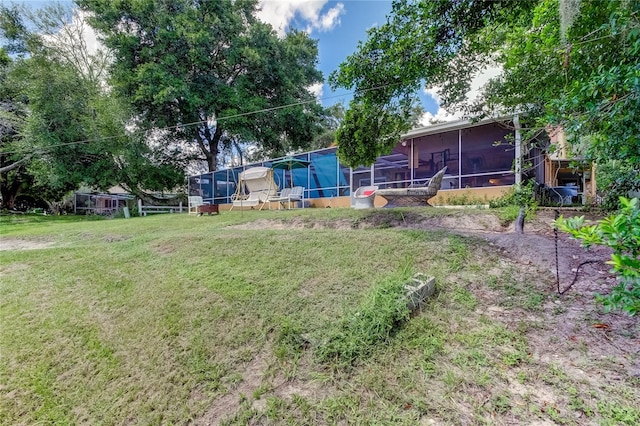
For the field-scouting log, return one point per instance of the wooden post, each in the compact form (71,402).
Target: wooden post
(140,212)
(180,206)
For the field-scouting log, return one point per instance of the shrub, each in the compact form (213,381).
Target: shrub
(512,201)
(519,195)
(465,199)
(621,232)
(616,180)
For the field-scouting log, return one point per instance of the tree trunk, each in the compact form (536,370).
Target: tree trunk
(9,194)
(212,161)
(210,153)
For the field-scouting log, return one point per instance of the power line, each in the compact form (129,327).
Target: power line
(196,123)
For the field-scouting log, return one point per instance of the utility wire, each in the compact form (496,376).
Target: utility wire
(196,123)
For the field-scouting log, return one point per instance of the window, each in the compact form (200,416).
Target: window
(392,171)
(431,153)
(486,149)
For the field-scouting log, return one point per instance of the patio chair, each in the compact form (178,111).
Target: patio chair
(288,195)
(195,201)
(364,196)
(415,195)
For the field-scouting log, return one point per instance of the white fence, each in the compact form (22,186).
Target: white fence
(143,210)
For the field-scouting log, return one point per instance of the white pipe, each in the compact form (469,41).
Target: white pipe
(518,143)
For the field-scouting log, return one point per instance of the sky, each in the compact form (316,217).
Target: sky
(338,26)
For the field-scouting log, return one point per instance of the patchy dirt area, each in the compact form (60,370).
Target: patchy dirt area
(16,244)
(596,351)
(573,322)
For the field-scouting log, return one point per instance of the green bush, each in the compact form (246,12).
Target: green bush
(513,200)
(616,180)
(621,232)
(519,195)
(465,199)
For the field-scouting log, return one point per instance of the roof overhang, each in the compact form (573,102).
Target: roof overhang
(452,125)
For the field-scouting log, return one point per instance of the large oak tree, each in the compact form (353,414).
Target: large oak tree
(209,73)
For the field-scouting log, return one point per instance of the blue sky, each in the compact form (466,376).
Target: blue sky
(338,26)
(336,44)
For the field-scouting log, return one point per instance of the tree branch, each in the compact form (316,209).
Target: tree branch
(14,165)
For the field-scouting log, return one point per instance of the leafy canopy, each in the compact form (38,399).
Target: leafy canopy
(577,69)
(63,128)
(422,42)
(210,73)
(585,79)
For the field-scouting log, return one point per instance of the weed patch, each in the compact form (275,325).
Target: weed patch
(358,332)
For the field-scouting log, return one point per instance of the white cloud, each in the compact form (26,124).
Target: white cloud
(331,19)
(477,84)
(440,115)
(316,89)
(76,42)
(280,13)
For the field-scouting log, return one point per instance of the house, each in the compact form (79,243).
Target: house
(565,167)
(483,159)
(99,203)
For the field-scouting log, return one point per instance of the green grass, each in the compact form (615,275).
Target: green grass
(154,320)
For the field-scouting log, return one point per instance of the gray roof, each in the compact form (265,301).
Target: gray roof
(451,125)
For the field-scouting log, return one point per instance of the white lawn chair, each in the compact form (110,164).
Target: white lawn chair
(364,196)
(195,201)
(287,195)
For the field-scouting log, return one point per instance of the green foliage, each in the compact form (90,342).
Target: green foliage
(66,129)
(621,232)
(519,196)
(616,414)
(513,200)
(465,199)
(368,132)
(584,78)
(617,178)
(359,331)
(418,43)
(204,69)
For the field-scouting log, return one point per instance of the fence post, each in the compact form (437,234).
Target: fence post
(140,212)
(180,206)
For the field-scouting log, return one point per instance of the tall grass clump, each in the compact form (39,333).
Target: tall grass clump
(357,333)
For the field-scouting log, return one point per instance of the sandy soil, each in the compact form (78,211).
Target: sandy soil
(16,244)
(573,321)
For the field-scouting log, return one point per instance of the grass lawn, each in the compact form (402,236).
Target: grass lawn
(177,319)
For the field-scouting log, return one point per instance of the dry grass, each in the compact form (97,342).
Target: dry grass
(179,319)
